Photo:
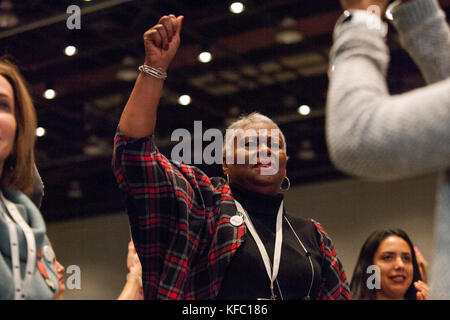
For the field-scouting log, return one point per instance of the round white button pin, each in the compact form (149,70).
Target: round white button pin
(236,220)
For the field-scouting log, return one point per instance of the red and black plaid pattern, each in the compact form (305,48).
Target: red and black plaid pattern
(334,284)
(180,223)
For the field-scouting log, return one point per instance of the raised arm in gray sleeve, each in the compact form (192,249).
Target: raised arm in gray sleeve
(371,133)
(425,34)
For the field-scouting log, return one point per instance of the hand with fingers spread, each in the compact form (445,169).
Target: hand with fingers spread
(162,41)
(423,290)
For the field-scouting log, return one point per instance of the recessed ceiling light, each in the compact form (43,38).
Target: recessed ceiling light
(205,57)
(70,51)
(237,7)
(49,94)
(304,110)
(40,132)
(184,100)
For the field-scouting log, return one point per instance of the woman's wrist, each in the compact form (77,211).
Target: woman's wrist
(134,277)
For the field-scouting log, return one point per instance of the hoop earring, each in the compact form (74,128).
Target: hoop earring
(288,184)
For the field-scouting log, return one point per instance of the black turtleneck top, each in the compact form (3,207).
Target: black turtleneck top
(246,276)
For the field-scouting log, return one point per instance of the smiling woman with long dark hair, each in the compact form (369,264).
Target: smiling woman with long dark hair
(392,252)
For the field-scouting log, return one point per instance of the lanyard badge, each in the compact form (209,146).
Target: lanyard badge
(272,271)
(21,287)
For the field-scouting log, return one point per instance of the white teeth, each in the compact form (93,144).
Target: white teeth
(398,278)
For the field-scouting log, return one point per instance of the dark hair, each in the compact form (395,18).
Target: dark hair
(358,285)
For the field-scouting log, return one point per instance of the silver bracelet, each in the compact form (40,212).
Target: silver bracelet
(390,8)
(155,72)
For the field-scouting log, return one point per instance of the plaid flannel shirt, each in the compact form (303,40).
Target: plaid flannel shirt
(180,223)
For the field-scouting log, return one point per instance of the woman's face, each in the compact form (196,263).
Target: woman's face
(7,120)
(394,258)
(264,167)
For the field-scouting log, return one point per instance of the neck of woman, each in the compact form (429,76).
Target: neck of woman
(256,203)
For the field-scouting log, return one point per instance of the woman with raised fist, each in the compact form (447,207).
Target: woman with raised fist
(214,238)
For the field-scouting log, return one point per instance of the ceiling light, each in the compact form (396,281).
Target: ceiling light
(304,110)
(49,94)
(287,32)
(205,57)
(237,7)
(40,132)
(70,51)
(184,100)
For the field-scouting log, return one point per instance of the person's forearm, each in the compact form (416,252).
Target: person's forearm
(425,34)
(372,134)
(131,289)
(139,116)
(161,43)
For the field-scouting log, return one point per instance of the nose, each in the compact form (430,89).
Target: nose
(264,148)
(59,267)
(399,264)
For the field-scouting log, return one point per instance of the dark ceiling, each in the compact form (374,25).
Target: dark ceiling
(250,71)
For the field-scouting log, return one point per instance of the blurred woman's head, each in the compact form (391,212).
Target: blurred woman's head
(393,253)
(17,130)
(254,154)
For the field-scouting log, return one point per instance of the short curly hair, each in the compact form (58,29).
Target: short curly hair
(244,121)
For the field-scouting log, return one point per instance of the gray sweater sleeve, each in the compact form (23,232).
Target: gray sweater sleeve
(425,34)
(373,134)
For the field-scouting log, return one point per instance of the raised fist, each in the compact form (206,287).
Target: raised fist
(162,41)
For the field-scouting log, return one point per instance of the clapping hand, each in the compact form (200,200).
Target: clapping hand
(422,290)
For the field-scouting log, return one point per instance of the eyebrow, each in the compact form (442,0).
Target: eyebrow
(392,252)
(3,95)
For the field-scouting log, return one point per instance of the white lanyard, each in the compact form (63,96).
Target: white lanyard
(21,288)
(271,272)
